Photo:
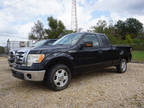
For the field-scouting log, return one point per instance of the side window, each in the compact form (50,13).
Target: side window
(104,41)
(92,38)
(50,42)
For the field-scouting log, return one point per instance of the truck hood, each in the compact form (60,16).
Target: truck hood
(25,49)
(50,49)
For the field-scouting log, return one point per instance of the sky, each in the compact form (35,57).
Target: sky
(18,16)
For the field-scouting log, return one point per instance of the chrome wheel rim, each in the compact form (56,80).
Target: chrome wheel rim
(60,78)
(123,66)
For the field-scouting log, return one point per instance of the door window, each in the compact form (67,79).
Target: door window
(91,38)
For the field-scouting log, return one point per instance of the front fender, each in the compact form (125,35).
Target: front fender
(57,56)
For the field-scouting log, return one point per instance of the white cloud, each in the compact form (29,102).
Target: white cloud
(23,30)
(18,16)
(121,9)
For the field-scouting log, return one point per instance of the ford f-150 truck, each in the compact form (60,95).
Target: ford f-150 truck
(77,51)
(13,52)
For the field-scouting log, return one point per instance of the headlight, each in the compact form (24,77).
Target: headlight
(34,58)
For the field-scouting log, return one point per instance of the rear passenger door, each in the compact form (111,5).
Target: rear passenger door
(105,50)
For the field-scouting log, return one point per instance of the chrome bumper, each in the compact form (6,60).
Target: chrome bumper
(28,75)
(10,64)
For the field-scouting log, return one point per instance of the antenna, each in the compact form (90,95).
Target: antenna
(74,23)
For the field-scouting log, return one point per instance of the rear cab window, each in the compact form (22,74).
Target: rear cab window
(104,41)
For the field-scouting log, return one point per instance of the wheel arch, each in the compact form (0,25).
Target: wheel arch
(59,60)
(125,55)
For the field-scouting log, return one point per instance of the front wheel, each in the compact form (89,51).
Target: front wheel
(58,77)
(122,67)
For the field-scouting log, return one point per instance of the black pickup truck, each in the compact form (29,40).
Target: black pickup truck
(55,64)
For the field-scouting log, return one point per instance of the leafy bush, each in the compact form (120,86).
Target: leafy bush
(138,41)
(136,44)
(1,50)
(113,39)
(129,39)
(137,47)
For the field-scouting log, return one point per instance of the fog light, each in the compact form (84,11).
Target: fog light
(29,76)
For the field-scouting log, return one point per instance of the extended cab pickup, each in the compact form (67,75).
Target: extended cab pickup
(77,51)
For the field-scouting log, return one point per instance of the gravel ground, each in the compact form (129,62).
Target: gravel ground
(100,89)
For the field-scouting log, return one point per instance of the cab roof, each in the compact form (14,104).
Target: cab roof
(91,33)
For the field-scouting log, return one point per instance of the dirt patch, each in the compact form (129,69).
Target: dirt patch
(99,89)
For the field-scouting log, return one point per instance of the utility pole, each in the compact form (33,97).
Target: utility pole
(74,23)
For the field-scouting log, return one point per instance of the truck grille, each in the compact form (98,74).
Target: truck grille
(19,58)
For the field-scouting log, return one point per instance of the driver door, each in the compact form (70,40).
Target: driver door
(89,56)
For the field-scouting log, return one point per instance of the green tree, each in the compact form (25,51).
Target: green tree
(32,36)
(134,26)
(129,39)
(130,26)
(37,32)
(121,28)
(100,26)
(56,28)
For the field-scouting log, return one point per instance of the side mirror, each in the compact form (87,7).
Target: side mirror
(86,44)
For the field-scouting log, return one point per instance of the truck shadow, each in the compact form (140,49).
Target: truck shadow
(81,76)
(94,73)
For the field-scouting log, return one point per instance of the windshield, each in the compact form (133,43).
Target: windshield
(69,39)
(39,43)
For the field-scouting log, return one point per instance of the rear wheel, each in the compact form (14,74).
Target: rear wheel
(58,77)
(122,67)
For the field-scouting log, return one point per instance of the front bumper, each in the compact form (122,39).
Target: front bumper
(10,64)
(28,75)
(11,61)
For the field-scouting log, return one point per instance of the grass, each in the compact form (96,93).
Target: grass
(138,56)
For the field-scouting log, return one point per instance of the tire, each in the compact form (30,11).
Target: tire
(122,67)
(58,77)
